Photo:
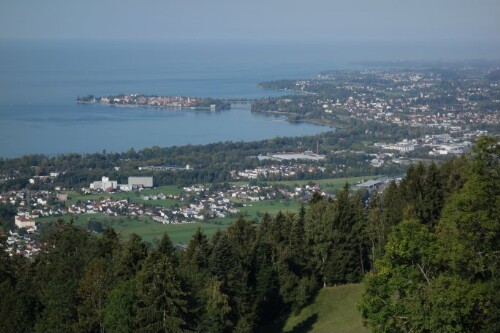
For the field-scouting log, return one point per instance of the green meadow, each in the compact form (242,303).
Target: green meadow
(333,311)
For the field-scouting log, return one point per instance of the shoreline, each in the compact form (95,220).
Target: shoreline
(302,120)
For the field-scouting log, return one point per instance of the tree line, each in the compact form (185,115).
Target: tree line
(209,163)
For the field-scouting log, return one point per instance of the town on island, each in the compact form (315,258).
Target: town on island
(170,102)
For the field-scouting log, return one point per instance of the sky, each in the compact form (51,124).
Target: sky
(254,20)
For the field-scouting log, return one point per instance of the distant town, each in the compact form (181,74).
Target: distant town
(171,102)
(195,203)
(454,98)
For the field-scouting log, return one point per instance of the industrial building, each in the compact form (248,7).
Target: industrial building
(140,181)
(104,184)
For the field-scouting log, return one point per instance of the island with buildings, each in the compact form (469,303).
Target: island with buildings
(168,102)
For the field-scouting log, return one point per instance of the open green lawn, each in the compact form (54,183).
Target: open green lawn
(255,210)
(167,190)
(179,233)
(164,203)
(145,227)
(329,185)
(333,311)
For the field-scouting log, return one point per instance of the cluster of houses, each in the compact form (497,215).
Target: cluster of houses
(307,155)
(436,144)
(34,204)
(22,241)
(403,146)
(164,168)
(23,244)
(195,203)
(45,179)
(275,170)
(411,98)
(439,144)
(445,144)
(136,99)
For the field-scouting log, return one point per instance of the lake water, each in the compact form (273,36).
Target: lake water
(40,81)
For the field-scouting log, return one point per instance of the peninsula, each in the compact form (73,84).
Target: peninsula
(175,102)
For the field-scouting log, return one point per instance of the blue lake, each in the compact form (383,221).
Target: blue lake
(39,83)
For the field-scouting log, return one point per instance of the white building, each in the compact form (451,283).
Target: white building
(104,184)
(140,181)
(403,146)
(24,222)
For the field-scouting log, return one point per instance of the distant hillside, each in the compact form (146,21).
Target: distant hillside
(333,311)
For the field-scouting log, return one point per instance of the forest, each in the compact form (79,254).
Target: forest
(427,250)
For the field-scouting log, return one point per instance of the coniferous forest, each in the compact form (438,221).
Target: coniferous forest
(427,250)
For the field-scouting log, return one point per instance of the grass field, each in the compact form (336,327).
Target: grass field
(329,185)
(145,227)
(255,210)
(333,311)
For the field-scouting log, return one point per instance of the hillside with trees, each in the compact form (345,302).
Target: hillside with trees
(427,250)
(440,269)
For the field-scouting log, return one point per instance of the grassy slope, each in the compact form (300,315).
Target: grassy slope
(333,311)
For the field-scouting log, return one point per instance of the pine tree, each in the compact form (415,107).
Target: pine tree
(194,270)
(242,236)
(129,260)
(166,247)
(433,200)
(121,308)
(59,268)
(268,301)
(318,238)
(377,228)
(18,302)
(161,300)
(219,310)
(347,259)
(198,250)
(392,205)
(93,291)
(228,277)
(297,241)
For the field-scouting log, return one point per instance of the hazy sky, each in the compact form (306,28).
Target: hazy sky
(286,20)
